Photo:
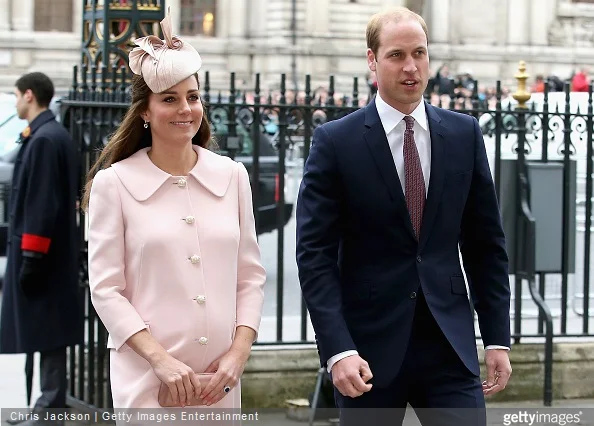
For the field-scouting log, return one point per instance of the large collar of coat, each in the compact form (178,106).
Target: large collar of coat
(142,178)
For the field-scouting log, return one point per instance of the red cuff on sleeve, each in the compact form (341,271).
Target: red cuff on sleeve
(35,243)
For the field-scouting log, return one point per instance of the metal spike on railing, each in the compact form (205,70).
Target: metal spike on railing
(355,101)
(207,86)
(113,84)
(283,89)
(84,86)
(307,89)
(257,89)
(74,87)
(103,85)
(123,83)
(232,93)
(93,82)
(330,100)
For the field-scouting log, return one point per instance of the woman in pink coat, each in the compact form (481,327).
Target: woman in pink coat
(174,264)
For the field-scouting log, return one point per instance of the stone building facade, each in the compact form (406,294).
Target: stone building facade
(317,37)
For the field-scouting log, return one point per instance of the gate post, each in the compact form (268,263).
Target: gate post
(110,26)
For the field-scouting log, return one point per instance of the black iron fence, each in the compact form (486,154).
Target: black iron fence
(271,132)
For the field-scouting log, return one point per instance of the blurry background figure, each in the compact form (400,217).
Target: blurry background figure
(580,81)
(539,84)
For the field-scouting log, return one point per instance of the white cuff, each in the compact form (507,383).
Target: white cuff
(496,347)
(338,357)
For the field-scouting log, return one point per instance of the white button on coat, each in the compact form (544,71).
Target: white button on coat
(203,340)
(194,259)
(200,299)
(189,219)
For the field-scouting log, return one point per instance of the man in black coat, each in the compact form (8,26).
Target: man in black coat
(41,306)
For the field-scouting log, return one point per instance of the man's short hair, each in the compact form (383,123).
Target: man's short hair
(41,86)
(394,14)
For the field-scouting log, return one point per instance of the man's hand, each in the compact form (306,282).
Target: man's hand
(498,371)
(31,277)
(350,376)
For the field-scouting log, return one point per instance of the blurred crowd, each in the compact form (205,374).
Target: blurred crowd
(445,89)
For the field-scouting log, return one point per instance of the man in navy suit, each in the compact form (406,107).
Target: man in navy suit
(389,196)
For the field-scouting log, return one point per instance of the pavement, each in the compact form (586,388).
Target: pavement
(13,396)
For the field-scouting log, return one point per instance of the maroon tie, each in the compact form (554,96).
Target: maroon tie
(414,187)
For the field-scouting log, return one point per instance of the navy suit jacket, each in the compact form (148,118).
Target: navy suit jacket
(359,262)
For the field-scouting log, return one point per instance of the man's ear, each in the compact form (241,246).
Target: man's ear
(371,63)
(29,96)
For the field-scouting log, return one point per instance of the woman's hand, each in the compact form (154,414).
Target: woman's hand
(178,377)
(228,369)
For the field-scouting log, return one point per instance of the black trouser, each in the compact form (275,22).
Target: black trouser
(53,380)
(53,383)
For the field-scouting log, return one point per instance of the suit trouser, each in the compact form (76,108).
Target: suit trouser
(53,385)
(53,380)
(432,379)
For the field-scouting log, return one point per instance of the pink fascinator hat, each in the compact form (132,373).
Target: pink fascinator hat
(164,63)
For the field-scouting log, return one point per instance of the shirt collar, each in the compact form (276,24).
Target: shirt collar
(391,117)
(142,178)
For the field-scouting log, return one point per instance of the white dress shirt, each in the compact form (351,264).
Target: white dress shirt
(394,126)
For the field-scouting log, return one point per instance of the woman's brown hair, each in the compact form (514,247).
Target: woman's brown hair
(131,136)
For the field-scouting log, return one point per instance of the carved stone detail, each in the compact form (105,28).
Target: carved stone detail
(572,32)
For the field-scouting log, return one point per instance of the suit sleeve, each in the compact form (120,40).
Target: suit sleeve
(42,195)
(107,257)
(483,250)
(251,275)
(318,235)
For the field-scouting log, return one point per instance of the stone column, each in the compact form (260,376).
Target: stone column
(519,22)
(542,14)
(317,18)
(22,15)
(4,16)
(175,14)
(230,18)
(439,21)
(256,25)
(76,17)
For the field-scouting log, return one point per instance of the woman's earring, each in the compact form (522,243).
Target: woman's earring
(146,124)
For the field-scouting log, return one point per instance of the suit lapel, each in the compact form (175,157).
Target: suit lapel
(437,133)
(377,142)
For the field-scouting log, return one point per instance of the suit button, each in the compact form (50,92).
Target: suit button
(419,259)
(413,295)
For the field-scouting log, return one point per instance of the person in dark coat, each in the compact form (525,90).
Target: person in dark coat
(41,307)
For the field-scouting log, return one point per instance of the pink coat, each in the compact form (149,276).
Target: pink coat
(177,256)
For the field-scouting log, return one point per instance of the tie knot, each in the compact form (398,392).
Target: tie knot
(409,122)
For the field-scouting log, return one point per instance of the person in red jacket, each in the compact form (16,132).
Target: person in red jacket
(580,81)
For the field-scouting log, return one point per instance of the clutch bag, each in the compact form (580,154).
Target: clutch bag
(166,400)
